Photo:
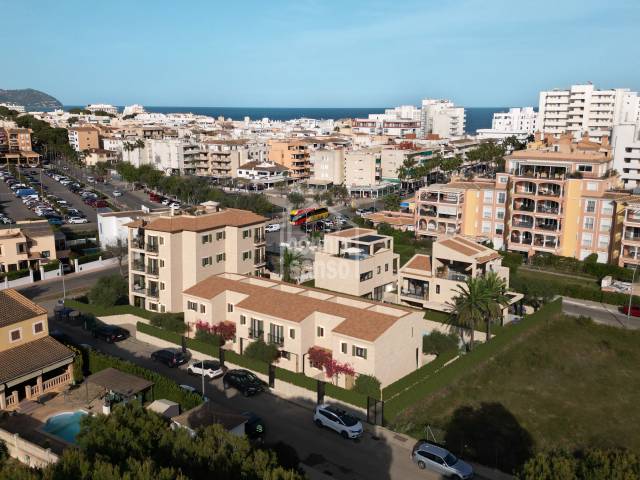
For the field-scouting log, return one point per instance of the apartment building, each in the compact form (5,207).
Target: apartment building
(15,145)
(560,197)
(625,141)
(33,363)
(381,125)
(442,118)
(517,122)
(357,261)
(169,253)
(294,153)
(327,166)
(102,107)
(172,156)
(362,167)
(585,109)
(476,209)
(97,155)
(264,174)
(84,138)
(432,281)
(375,339)
(219,158)
(627,235)
(26,244)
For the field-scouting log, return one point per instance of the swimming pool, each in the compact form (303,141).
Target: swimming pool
(65,425)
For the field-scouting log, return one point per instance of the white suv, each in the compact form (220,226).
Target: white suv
(272,227)
(208,368)
(338,420)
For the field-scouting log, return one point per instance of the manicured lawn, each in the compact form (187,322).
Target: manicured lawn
(565,383)
(101,311)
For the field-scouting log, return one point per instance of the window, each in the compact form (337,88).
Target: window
(15,335)
(366,276)
(246,255)
(437,288)
(230,307)
(359,352)
(503,179)
(46,254)
(202,308)
(499,230)
(488,196)
(320,332)
(386,267)
(607,208)
(161,285)
(344,347)
(588,223)
(292,333)
(161,240)
(206,261)
(592,186)
(246,233)
(220,257)
(38,327)
(153,306)
(161,262)
(379,270)
(487,212)
(220,235)
(285,355)
(603,241)
(605,224)
(486,227)
(502,197)
(585,168)
(192,306)
(500,213)
(590,206)
(243,320)
(587,239)
(206,238)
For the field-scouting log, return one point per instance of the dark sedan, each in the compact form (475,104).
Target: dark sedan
(110,333)
(244,381)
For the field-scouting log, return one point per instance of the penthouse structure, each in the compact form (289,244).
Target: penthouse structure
(169,253)
(375,339)
(358,262)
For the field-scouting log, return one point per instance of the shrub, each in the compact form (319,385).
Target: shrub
(259,350)
(209,338)
(512,261)
(92,257)
(173,322)
(437,342)
(367,385)
(109,291)
(52,265)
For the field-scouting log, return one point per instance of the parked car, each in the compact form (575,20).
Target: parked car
(175,205)
(73,220)
(208,368)
(91,180)
(338,420)
(171,357)
(360,211)
(244,381)
(55,221)
(272,227)
(190,389)
(634,311)
(117,193)
(166,202)
(110,333)
(437,459)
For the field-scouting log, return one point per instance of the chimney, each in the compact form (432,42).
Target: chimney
(605,140)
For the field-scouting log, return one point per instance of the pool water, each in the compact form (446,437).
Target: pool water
(65,425)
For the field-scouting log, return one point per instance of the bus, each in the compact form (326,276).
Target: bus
(302,216)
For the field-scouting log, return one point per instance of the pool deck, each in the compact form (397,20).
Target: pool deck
(29,425)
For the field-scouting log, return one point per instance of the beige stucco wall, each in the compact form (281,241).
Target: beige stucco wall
(26,332)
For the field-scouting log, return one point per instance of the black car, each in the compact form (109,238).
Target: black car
(110,333)
(171,357)
(244,381)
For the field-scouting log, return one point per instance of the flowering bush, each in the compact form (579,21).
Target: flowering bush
(322,359)
(225,330)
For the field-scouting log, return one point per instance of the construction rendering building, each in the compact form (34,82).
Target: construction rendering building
(169,253)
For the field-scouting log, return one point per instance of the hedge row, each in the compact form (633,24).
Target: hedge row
(163,387)
(14,274)
(299,379)
(246,362)
(482,352)
(416,376)
(347,396)
(161,333)
(92,257)
(114,310)
(52,265)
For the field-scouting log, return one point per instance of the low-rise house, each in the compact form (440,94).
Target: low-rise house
(26,244)
(397,220)
(432,281)
(31,362)
(264,173)
(207,414)
(95,155)
(357,261)
(372,338)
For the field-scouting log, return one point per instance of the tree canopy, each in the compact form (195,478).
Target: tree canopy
(109,291)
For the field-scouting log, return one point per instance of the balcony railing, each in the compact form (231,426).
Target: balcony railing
(138,266)
(153,292)
(547,209)
(259,239)
(631,237)
(455,276)
(523,224)
(137,243)
(523,207)
(152,247)
(138,287)
(256,334)
(276,339)
(546,226)
(153,270)
(414,294)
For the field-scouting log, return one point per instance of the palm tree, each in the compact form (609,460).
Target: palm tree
(289,261)
(497,299)
(469,305)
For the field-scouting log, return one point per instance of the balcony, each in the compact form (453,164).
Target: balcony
(550,226)
(259,239)
(275,339)
(522,238)
(524,205)
(550,208)
(153,292)
(152,247)
(417,294)
(549,190)
(632,236)
(137,242)
(138,288)
(256,334)
(137,266)
(452,275)
(153,270)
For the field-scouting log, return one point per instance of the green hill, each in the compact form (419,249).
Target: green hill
(32,100)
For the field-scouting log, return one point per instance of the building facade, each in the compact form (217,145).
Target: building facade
(442,118)
(27,244)
(84,138)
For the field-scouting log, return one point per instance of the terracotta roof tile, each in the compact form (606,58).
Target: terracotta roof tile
(15,308)
(419,262)
(229,217)
(31,357)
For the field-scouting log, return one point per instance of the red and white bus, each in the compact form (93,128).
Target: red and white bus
(302,216)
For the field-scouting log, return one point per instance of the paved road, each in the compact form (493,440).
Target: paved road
(599,312)
(366,458)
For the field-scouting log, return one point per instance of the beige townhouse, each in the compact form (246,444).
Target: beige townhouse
(169,253)
(26,244)
(357,261)
(374,338)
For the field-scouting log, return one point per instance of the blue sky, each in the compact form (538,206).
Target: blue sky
(316,53)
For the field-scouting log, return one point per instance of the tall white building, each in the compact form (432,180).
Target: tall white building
(134,109)
(168,155)
(441,117)
(625,143)
(585,109)
(517,122)
(102,107)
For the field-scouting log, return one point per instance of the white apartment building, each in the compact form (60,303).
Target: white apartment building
(585,109)
(362,168)
(170,253)
(134,109)
(168,155)
(517,122)
(442,118)
(357,261)
(625,143)
(327,166)
(381,125)
(102,107)
(14,106)
(267,174)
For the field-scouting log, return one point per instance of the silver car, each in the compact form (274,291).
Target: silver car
(437,459)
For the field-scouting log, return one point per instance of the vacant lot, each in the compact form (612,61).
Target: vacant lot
(567,384)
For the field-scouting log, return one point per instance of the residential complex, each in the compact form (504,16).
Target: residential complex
(374,338)
(358,262)
(517,122)
(169,253)
(32,362)
(27,244)
(84,138)
(15,145)
(442,118)
(432,281)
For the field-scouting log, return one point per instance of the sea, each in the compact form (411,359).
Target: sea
(477,117)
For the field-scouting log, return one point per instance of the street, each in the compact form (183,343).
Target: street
(367,458)
(600,313)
